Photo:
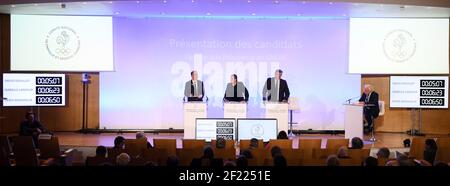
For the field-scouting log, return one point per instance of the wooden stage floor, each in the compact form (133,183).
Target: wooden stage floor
(390,140)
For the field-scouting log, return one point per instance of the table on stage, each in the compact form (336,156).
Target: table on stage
(192,111)
(279,111)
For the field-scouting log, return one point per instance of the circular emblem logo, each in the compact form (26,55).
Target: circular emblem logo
(399,45)
(62,43)
(257,130)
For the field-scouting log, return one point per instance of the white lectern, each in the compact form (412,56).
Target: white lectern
(192,111)
(278,111)
(353,121)
(234,110)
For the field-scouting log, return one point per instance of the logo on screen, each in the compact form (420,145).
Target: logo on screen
(62,43)
(257,130)
(399,45)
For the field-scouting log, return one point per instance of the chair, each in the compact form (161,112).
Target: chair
(323,153)
(443,152)
(25,153)
(99,161)
(186,156)
(228,144)
(259,155)
(170,145)
(49,148)
(193,144)
(382,106)
(417,148)
(134,147)
(293,156)
(225,154)
(313,162)
(113,152)
(4,143)
(245,144)
(158,156)
(337,143)
(307,145)
(358,155)
(282,143)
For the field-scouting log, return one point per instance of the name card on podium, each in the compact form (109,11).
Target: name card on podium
(234,110)
(192,111)
(353,121)
(278,111)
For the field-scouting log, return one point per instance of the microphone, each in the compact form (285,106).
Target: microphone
(348,100)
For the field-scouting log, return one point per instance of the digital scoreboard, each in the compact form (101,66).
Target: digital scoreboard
(33,89)
(419,91)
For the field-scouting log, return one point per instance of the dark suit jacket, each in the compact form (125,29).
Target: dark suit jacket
(373,100)
(236,93)
(283,92)
(189,90)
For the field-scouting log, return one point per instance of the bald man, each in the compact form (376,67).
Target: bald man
(371,109)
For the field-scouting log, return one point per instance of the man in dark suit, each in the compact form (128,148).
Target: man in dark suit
(276,89)
(236,91)
(193,89)
(371,108)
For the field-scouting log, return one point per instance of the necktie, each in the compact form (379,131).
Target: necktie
(195,89)
(277,89)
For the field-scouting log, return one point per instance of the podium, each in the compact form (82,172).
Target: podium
(234,110)
(192,111)
(278,111)
(353,121)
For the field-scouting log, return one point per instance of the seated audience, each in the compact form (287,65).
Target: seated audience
(119,142)
(140,135)
(282,135)
(370,162)
(407,143)
(242,161)
(207,159)
(99,159)
(253,144)
(279,161)
(342,152)
(275,151)
(229,163)
(221,143)
(383,153)
(332,161)
(123,159)
(357,143)
(101,151)
(31,127)
(172,161)
(429,154)
(247,154)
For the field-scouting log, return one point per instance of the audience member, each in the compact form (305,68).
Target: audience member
(357,143)
(123,159)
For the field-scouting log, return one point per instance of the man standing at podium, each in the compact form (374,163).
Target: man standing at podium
(235,91)
(193,89)
(371,108)
(276,89)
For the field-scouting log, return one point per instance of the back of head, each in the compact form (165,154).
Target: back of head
(332,160)
(254,143)
(407,143)
(172,161)
(383,153)
(123,159)
(430,144)
(119,142)
(208,153)
(357,143)
(220,143)
(275,151)
(342,152)
(282,135)
(101,151)
(370,162)
(247,154)
(242,161)
(140,135)
(279,161)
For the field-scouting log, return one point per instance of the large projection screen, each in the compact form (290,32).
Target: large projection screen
(399,46)
(61,43)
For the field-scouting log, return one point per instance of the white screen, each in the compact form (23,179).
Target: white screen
(399,46)
(33,89)
(211,129)
(419,92)
(265,129)
(61,43)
